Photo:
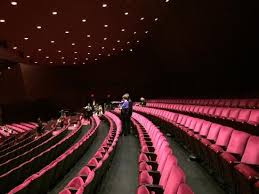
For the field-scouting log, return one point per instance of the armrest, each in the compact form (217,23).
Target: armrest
(147,139)
(156,188)
(153,164)
(155,175)
(149,143)
(151,148)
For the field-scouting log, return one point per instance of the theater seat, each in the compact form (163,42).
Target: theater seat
(184,189)
(247,172)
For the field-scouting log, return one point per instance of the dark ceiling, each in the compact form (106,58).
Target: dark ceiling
(77,32)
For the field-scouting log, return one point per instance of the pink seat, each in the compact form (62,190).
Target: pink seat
(184,189)
(243,115)
(254,118)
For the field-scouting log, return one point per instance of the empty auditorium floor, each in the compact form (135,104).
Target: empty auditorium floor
(197,177)
(123,173)
(101,134)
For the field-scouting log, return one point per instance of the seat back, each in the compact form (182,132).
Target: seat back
(166,170)
(237,142)
(205,128)
(254,117)
(251,153)
(184,189)
(224,136)
(214,132)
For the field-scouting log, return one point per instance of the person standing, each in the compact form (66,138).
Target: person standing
(125,115)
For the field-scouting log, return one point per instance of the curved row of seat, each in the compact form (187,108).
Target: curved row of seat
(48,174)
(231,154)
(89,176)
(158,169)
(241,115)
(241,103)
(22,166)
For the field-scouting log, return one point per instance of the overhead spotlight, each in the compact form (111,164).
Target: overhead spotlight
(64,62)
(95,59)
(39,49)
(75,52)
(142,18)
(89,46)
(109,55)
(131,50)
(47,57)
(88,35)
(83,63)
(66,32)
(86,59)
(36,62)
(102,47)
(99,54)
(89,53)
(73,44)
(2,20)
(59,51)
(9,67)
(106,25)
(83,20)
(50,62)
(26,38)
(166,1)
(62,57)
(134,32)
(15,47)
(52,41)
(104,5)
(113,49)
(128,42)
(146,32)
(54,13)
(126,13)
(38,27)
(121,49)
(104,38)
(28,56)
(118,41)
(74,63)
(156,19)
(75,58)
(14,3)
(123,30)
(137,41)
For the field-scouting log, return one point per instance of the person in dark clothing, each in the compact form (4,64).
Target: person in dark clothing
(40,127)
(124,106)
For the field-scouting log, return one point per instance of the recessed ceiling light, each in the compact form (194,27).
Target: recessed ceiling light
(64,62)
(52,41)
(128,42)
(142,18)
(62,57)
(95,59)
(47,57)
(38,27)
(118,41)
(104,5)
(35,62)
(166,1)
(131,50)
(109,55)
(2,20)
(39,49)
(15,47)
(99,54)
(54,13)
(59,51)
(113,49)
(156,19)
(104,38)
(28,56)
(126,13)
(146,32)
(137,41)
(83,63)
(14,3)
(9,67)
(86,59)
(73,44)
(50,62)
(121,49)
(134,32)
(89,46)
(26,38)
(74,63)
(75,58)
(106,25)
(83,20)
(88,35)
(123,30)
(89,53)
(75,52)
(66,32)
(102,47)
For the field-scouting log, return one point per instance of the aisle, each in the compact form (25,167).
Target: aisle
(101,134)
(123,173)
